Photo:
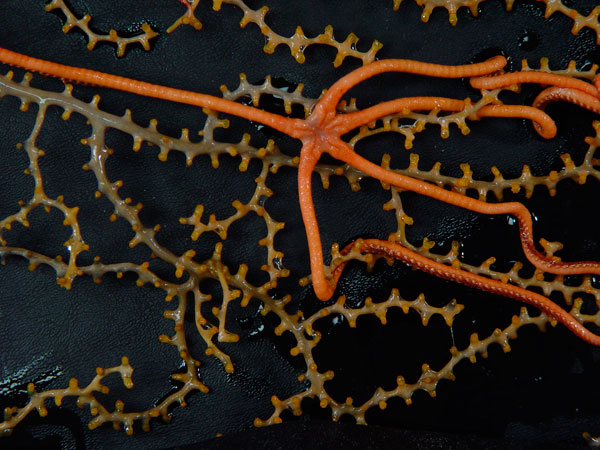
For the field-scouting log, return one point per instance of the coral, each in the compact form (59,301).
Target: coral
(297,43)
(551,6)
(213,287)
(85,396)
(113,37)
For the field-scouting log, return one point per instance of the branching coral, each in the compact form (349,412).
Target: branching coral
(208,285)
(94,38)
(297,43)
(580,21)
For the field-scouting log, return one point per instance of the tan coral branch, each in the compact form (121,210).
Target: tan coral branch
(121,42)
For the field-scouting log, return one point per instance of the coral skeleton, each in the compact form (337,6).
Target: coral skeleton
(331,125)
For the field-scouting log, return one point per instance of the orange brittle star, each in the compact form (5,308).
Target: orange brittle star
(321,133)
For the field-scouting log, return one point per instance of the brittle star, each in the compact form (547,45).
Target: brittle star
(321,133)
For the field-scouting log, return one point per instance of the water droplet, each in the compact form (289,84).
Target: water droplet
(259,330)
(528,41)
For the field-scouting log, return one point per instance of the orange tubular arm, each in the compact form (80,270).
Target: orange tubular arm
(397,251)
(551,79)
(81,75)
(344,84)
(347,122)
(554,94)
(344,153)
(542,123)
(321,285)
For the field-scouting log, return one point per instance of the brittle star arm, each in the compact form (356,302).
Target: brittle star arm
(308,159)
(344,123)
(412,258)
(579,98)
(77,74)
(332,97)
(550,79)
(342,151)
(562,88)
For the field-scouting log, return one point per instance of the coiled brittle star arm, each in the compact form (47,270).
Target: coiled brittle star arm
(562,88)
(577,97)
